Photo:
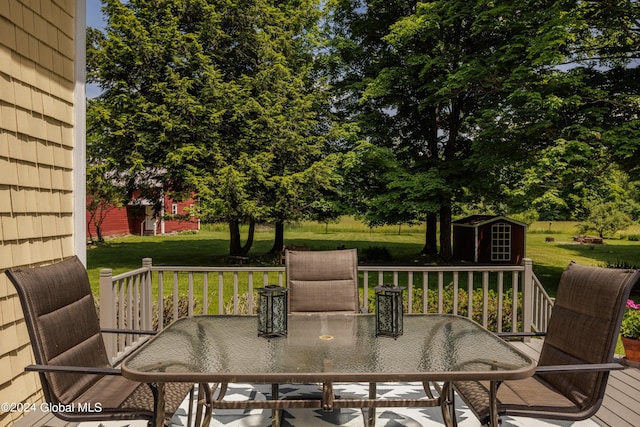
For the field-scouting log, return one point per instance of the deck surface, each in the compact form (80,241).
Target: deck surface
(620,408)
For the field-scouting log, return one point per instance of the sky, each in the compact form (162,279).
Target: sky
(95,20)
(94,15)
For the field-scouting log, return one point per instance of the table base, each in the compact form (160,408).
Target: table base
(328,402)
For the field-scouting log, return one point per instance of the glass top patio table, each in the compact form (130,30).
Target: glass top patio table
(325,348)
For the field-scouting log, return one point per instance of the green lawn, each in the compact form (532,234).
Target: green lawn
(209,246)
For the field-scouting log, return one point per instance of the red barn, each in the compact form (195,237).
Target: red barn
(489,239)
(138,218)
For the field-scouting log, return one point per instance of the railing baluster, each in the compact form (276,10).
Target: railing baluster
(410,292)
(176,301)
(235,292)
(190,297)
(425,292)
(220,292)
(147,295)
(485,298)
(134,312)
(440,290)
(365,290)
(205,293)
(500,300)
(121,308)
(128,316)
(250,293)
(160,300)
(455,292)
(470,294)
(515,280)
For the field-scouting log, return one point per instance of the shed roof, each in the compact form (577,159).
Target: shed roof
(478,220)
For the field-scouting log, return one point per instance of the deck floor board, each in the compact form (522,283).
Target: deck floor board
(620,407)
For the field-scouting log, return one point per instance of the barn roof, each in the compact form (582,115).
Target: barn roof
(478,220)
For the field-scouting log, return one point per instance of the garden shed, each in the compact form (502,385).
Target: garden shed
(489,239)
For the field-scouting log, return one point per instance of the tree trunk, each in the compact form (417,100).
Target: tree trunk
(445,231)
(247,246)
(278,240)
(99,233)
(431,235)
(235,245)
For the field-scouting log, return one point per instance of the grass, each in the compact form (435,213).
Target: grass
(209,247)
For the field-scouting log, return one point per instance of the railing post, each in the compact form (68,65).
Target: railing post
(527,295)
(146,310)
(108,309)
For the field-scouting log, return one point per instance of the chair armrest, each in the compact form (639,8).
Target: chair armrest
(586,367)
(127,331)
(520,334)
(72,369)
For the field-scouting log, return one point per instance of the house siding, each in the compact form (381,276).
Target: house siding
(37,141)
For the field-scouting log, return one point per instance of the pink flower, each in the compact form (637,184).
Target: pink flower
(633,305)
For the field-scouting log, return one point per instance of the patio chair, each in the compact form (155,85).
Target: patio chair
(322,281)
(577,354)
(70,354)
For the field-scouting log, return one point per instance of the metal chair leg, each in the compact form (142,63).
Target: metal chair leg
(447,405)
(276,413)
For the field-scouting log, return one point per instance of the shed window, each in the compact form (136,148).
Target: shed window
(501,242)
(174,209)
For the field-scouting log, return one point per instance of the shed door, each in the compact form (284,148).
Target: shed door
(501,242)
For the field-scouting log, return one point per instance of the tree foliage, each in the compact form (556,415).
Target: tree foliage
(502,103)
(104,195)
(605,219)
(214,99)
(427,108)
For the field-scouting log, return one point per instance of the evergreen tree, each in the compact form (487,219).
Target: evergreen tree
(213,98)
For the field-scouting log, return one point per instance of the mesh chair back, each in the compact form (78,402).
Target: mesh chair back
(322,280)
(584,327)
(63,325)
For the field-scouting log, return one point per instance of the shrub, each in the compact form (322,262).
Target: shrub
(183,310)
(621,264)
(243,304)
(167,305)
(633,237)
(463,306)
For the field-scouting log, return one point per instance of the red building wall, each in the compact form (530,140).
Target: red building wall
(183,208)
(130,220)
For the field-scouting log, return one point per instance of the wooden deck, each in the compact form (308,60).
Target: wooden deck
(620,408)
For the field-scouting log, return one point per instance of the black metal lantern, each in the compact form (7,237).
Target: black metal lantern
(272,311)
(389,311)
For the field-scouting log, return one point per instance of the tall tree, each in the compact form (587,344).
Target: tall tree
(472,91)
(431,67)
(212,98)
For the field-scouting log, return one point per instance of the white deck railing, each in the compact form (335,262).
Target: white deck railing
(127,300)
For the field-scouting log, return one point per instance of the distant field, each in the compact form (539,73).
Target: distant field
(210,246)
